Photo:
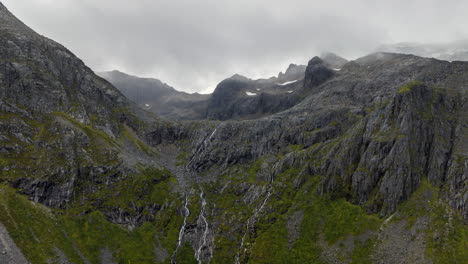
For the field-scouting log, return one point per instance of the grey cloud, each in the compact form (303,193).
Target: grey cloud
(193,45)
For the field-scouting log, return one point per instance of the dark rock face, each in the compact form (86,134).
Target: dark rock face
(47,191)
(134,217)
(317,73)
(394,154)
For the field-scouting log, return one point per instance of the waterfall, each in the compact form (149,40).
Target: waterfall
(182,229)
(250,222)
(202,219)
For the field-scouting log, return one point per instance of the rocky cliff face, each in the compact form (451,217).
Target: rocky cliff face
(362,165)
(292,73)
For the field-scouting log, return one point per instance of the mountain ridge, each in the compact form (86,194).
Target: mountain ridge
(275,94)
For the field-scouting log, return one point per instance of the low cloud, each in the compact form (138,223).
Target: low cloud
(192,45)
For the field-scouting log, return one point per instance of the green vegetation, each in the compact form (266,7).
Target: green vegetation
(324,221)
(84,230)
(185,255)
(253,170)
(39,232)
(101,146)
(297,147)
(128,133)
(91,132)
(181,159)
(31,152)
(33,227)
(150,186)
(362,252)
(408,87)
(447,235)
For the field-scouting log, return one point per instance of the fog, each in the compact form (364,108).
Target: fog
(192,45)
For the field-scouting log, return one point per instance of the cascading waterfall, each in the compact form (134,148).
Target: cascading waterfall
(254,216)
(202,220)
(251,221)
(204,144)
(182,229)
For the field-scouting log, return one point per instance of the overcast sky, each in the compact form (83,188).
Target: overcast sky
(194,44)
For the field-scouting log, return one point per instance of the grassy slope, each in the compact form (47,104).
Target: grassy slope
(37,230)
(82,228)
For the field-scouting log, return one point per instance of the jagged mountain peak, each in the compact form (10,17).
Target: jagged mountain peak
(293,72)
(293,68)
(316,60)
(317,72)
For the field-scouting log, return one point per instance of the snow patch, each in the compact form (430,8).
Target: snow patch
(286,83)
(337,69)
(250,94)
(147,105)
(290,91)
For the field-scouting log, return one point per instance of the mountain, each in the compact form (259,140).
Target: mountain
(275,94)
(452,51)
(241,98)
(292,73)
(158,97)
(369,166)
(237,97)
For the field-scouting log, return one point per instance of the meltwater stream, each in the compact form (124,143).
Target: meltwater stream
(250,222)
(253,218)
(201,218)
(182,229)
(202,221)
